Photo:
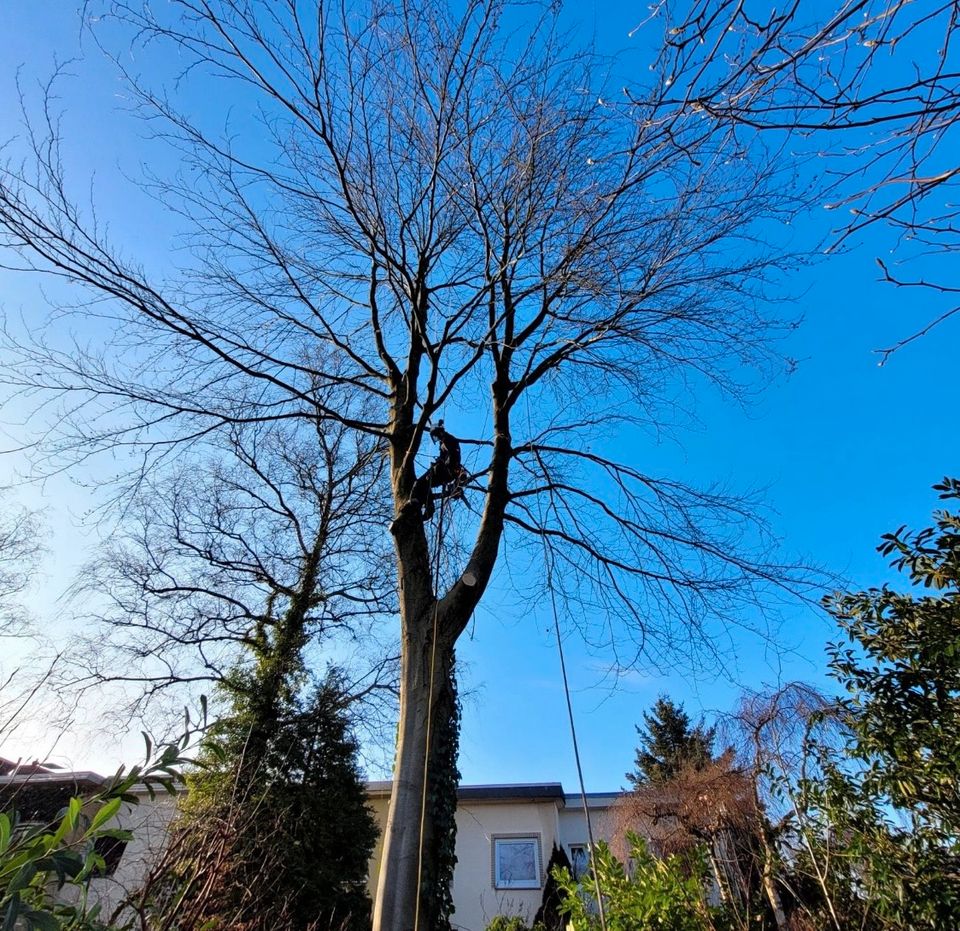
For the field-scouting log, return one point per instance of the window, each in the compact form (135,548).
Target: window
(111,849)
(579,858)
(516,862)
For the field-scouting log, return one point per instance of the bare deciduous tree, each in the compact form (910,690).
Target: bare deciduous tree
(772,732)
(21,544)
(438,216)
(705,806)
(868,93)
(266,535)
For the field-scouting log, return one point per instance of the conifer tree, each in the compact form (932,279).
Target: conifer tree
(549,917)
(667,743)
(275,832)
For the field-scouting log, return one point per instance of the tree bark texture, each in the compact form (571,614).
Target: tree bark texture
(430,627)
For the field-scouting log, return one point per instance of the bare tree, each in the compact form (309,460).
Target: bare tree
(21,544)
(437,217)
(868,93)
(263,541)
(706,806)
(773,732)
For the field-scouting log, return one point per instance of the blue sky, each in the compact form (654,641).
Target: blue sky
(844,450)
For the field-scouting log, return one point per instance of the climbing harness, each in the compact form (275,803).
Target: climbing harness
(446,472)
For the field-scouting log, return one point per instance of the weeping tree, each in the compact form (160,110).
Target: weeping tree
(20,549)
(420,213)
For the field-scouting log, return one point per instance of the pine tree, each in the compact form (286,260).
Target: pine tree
(549,917)
(667,743)
(275,832)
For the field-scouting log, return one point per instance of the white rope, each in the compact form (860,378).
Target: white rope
(433,666)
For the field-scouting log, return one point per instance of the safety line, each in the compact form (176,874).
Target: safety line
(576,748)
(433,666)
(549,566)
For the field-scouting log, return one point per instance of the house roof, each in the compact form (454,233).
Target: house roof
(39,792)
(509,792)
(11,767)
(513,792)
(17,773)
(594,799)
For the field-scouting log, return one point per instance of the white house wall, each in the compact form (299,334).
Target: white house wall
(475,896)
(479,823)
(477,900)
(148,822)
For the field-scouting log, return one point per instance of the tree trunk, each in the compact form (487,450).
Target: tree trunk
(406,861)
(718,876)
(770,880)
(443,781)
(429,631)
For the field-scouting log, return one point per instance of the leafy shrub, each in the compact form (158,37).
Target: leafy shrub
(507,923)
(38,861)
(663,894)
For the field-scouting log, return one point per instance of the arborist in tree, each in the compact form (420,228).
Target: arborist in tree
(446,473)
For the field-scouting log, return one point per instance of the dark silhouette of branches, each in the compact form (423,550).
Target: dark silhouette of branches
(422,214)
(213,557)
(866,91)
(21,544)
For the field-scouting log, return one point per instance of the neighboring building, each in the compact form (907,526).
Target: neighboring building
(505,835)
(40,792)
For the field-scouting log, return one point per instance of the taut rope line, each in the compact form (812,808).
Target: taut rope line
(433,667)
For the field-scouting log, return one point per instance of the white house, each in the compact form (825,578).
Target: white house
(505,835)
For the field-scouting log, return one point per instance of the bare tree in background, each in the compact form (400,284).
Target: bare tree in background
(744,808)
(268,535)
(772,733)
(708,807)
(21,545)
(437,217)
(868,94)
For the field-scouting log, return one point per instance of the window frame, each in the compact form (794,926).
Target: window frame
(111,849)
(586,860)
(531,837)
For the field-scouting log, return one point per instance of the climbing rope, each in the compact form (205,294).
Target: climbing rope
(438,542)
(573,736)
(548,563)
(433,666)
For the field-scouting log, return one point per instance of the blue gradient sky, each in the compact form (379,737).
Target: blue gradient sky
(844,450)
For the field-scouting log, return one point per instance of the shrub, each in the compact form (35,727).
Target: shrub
(664,894)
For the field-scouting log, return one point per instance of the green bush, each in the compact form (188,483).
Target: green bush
(666,895)
(37,862)
(275,832)
(508,923)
